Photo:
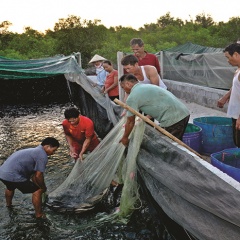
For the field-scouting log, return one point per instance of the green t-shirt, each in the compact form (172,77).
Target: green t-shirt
(157,102)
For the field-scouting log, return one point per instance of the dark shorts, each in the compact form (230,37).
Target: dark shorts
(24,187)
(236,133)
(178,129)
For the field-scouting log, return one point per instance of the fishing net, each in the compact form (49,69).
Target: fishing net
(90,179)
(38,68)
(198,65)
(36,80)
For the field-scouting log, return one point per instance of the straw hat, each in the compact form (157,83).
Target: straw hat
(96,58)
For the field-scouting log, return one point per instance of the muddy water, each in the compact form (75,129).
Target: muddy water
(25,126)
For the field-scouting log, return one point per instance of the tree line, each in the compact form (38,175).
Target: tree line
(73,34)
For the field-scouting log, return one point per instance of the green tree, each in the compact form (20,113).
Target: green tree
(204,20)
(32,44)
(73,34)
(118,39)
(4,26)
(5,35)
(76,35)
(167,20)
(229,32)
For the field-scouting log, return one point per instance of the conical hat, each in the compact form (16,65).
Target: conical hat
(96,58)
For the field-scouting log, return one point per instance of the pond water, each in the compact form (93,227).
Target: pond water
(26,126)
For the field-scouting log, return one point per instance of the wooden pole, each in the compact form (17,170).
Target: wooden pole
(161,64)
(120,55)
(124,105)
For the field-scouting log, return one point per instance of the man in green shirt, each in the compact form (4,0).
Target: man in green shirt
(157,102)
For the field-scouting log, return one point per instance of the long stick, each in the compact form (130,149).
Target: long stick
(124,105)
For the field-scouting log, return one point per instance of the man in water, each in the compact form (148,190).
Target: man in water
(23,170)
(157,102)
(79,132)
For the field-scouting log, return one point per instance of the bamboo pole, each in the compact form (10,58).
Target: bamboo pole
(120,55)
(124,105)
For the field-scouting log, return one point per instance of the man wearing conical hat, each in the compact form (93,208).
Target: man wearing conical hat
(97,61)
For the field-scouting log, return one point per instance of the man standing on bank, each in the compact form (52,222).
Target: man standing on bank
(24,169)
(144,58)
(145,74)
(159,103)
(232,53)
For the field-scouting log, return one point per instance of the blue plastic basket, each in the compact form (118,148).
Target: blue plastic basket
(228,161)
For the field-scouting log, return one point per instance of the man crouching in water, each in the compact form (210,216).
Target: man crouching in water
(23,170)
(79,132)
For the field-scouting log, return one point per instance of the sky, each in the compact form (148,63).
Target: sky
(42,15)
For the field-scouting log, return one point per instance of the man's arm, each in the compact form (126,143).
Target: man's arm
(238,123)
(86,143)
(224,99)
(152,74)
(89,134)
(38,179)
(124,100)
(72,152)
(128,129)
(238,120)
(157,65)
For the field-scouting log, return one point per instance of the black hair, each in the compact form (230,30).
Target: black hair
(108,62)
(129,59)
(51,141)
(71,112)
(128,77)
(232,48)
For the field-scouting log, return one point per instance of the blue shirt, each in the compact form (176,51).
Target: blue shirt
(101,76)
(157,102)
(22,164)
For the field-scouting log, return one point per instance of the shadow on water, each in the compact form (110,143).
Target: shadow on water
(25,126)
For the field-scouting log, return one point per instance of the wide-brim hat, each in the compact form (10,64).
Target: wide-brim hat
(96,58)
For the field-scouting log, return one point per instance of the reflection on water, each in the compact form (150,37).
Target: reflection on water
(26,126)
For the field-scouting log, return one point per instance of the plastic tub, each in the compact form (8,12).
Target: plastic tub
(228,161)
(217,134)
(193,137)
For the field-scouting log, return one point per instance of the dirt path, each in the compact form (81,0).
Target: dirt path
(200,111)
